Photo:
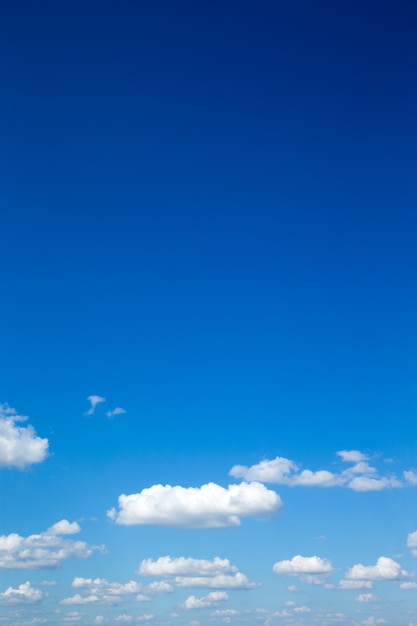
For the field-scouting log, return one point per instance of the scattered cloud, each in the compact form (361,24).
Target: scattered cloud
(385,569)
(412,542)
(408,585)
(117,411)
(94,401)
(78,599)
(19,445)
(302,566)
(221,581)
(359,477)
(23,594)
(410,476)
(367,597)
(355,584)
(209,600)
(168,566)
(208,506)
(44,550)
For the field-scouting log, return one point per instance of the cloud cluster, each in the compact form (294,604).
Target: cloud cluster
(215,574)
(208,506)
(361,476)
(209,600)
(100,590)
(19,445)
(412,542)
(44,550)
(23,594)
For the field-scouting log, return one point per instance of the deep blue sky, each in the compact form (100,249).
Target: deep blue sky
(209,218)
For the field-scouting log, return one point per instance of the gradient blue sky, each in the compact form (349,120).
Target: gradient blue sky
(208,219)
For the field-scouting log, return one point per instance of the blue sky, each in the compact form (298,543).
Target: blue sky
(208,397)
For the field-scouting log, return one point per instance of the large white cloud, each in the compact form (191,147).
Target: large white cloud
(385,569)
(168,566)
(208,506)
(359,477)
(44,550)
(19,445)
(210,599)
(23,594)
(300,565)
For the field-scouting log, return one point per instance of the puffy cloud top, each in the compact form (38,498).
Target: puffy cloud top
(208,506)
(24,594)
(168,566)
(19,445)
(385,569)
(300,565)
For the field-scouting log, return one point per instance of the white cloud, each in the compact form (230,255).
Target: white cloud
(293,589)
(124,619)
(102,587)
(145,617)
(355,584)
(209,600)
(303,565)
(221,581)
(45,550)
(94,400)
(182,566)
(160,586)
(302,609)
(225,613)
(99,619)
(412,542)
(117,411)
(64,527)
(367,483)
(79,599)
(24,594)
(19,445)
(359,477)
(385,569)
(208,506)
(352,456)
(367,597)
(410,477)
(408,585)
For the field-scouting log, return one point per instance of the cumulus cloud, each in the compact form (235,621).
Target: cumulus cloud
(94,401)
(410,477)
(101,586)
(352,456)
(303,565)
(168,566)
(145,617)
(19,445)
(408,585)
(209,600)
(101,590)
(412,542)
(79,599)
(117,411)
(359,477)
(385,569)
(208,506)
(23,594)
(64,527)
(44,550)
(367,597)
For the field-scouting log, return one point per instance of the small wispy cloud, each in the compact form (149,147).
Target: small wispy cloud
(94,400)
(117,411)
